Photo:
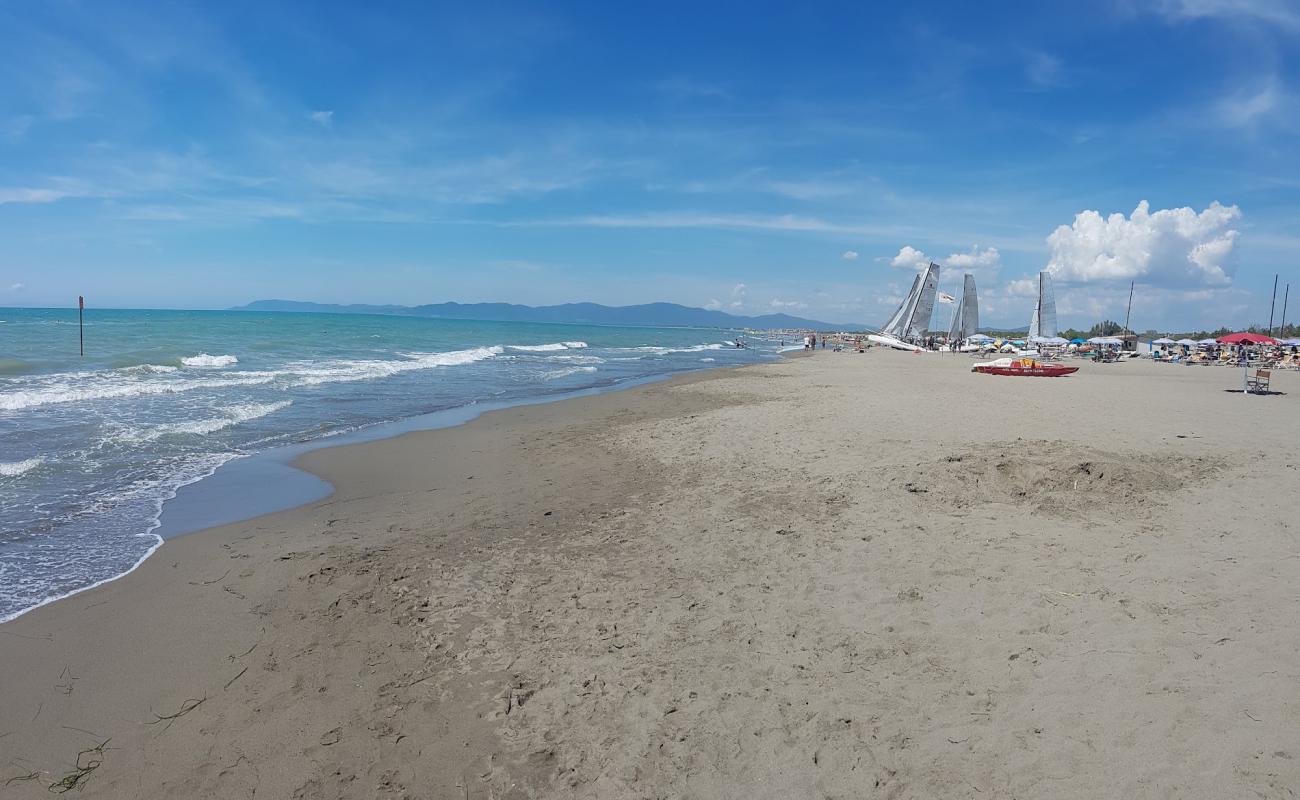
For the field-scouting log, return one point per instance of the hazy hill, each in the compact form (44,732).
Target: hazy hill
(650,314)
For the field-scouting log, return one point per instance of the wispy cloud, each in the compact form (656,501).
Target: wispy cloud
(1042,69)
(850,255)
(1276,12)
(1248,108)
(325,119)
(779,222)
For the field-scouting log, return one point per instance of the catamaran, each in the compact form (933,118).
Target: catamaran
(966,317)
(912,319)
(1043,324)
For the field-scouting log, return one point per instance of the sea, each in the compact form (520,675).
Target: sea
(94,447)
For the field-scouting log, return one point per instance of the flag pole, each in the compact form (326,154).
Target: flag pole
(81,322)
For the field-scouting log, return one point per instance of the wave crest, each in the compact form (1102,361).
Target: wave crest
(548,348)
(205,360)
(16,468)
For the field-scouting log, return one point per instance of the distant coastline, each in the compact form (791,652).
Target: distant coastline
(647,314)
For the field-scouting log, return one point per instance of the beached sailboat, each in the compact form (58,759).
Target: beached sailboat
(966,317)
(1043,324)
(912,319)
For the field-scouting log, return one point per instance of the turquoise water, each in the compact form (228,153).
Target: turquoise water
(92,447)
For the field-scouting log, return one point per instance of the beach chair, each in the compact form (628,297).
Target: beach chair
(1257,381)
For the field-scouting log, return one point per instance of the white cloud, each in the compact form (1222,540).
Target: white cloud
(1024,287)
(713,304)
(1042,69)
(1245,109)
(325,119)
(909,258)
(738,295)
(28,195)
(987,258)
(850,255)
(976,259)
(796,305)
(1171,247)
(1278,12)
(17,287)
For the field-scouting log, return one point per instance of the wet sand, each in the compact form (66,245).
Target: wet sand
(834,576)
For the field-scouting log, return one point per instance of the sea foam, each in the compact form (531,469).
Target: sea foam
(205,360)
(548,348)
(16,468)
(234,415)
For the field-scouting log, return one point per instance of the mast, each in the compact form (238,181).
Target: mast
(1129,312)
(1272,304)
(1281,330)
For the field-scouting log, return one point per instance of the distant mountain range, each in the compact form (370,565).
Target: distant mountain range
(649,314)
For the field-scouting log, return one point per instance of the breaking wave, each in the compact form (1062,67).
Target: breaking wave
(205,360)
(548,348)
(16,468)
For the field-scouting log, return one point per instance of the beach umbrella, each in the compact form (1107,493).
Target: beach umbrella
(1049,340)
(1078,341)
(1208,342)
(1186,342)
(1105,340)
(979,337)
(1244,338)
(1164,340)
(1291,342)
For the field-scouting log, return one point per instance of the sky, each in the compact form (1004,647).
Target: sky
(750,157)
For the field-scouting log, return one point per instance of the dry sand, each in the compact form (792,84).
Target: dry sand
(845,575)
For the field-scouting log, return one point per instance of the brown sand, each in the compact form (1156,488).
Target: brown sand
(840,576)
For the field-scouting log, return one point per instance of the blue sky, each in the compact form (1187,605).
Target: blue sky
(744,156)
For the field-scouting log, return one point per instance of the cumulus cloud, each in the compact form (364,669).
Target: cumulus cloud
(738,295)
(325,119)
(850,255)
(975,259)
(714,304)
(1171,247)
(909,258)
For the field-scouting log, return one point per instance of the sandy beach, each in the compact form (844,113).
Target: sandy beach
(842,575)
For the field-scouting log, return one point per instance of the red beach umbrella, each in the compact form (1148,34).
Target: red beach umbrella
(1247,338)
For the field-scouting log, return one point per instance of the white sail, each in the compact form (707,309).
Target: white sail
(966,319)
(919,323)
(1043,323)
(912,319)
(895,326)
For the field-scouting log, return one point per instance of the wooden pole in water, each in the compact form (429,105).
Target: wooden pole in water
(81,322)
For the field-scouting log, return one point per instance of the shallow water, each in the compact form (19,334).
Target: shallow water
(91,448)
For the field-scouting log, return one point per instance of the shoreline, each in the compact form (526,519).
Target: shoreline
(763,582)
(283,460)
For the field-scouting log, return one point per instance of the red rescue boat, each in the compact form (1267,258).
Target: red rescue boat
(1026,367)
